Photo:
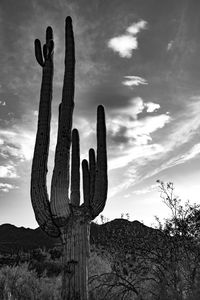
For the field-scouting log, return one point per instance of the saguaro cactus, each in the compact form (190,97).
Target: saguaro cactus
(63,216)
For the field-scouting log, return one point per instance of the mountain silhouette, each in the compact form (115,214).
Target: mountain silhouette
(115,234)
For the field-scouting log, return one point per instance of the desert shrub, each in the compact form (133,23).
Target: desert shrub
(50,288)
(55,253)
(18,282)
(50,268)
(38,254)
(23,284)
(37,267)
(53,268)
(118,276)
(177,263)
(98,263)
(99,267)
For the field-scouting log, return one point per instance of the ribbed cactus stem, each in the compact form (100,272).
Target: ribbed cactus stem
(101,180)
(75,169)
(75,260)
(92,168)
(39,195)
(38,53)
(86,183)
(60,179)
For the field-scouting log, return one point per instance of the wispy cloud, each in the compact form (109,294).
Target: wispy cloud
(134,81)
(179,159)
(185,125)
(146,190)
(182,130)
(136,106)
(8,171)
(125,44)
(124,125)
(134,153)
(135,28)
(144,127)
(143,157)
(6,187)
(17,142)
(130,137)
(193,152)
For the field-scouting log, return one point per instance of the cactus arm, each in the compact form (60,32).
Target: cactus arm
(38,53)
(75,169)
(60,179)
(39,195)
(95,181)
(92,169)
(97,203)
(86,183)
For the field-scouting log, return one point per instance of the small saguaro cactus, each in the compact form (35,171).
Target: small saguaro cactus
(64,216)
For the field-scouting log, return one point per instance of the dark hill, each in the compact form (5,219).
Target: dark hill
(14,238)
(115,234)
(123,236)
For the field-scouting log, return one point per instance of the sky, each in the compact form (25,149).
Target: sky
(140,59)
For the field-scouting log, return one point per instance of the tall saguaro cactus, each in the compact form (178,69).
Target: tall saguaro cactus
(63,216)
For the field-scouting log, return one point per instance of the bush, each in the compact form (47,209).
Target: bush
(55,253)
(98,265)
(18,282)
(23,284)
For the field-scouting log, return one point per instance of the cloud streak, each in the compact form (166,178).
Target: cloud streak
(6,187)
(134,81)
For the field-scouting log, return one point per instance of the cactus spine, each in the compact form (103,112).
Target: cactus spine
(63,216)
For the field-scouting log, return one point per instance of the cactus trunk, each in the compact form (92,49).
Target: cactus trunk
(75,259)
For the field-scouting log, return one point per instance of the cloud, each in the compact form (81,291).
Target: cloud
(17,142)
(130,138)
(146,190)
(133,81)
(134,153)
(125,127)
(151,107)
(180,159)
(170,45)
(193,152)
(116,189)
(137,106)
(144,127)
(6,187)
(183,128)
(3,103)
(8,171)
(136,27)
(125,44)
(185,125)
